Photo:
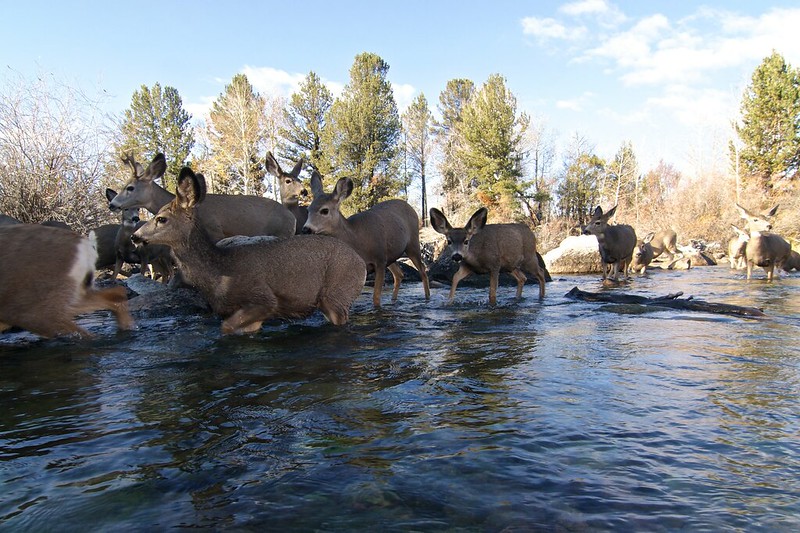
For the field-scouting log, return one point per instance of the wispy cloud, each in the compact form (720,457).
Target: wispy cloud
(575,104)
(549,28)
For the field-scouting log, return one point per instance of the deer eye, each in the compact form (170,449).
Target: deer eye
(466,242)
(323,211)
(161,220)
(287,181)
(129,188)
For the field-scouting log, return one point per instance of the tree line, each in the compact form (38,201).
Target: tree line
(56,155)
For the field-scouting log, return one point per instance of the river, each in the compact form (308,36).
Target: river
(553,415)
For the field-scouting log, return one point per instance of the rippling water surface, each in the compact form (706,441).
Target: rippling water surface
(553,415)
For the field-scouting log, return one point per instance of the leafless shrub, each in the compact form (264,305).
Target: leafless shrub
(52,152)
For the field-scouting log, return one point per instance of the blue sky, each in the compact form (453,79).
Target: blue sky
(667,76)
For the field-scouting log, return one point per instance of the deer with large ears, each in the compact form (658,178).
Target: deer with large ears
(764,248)
(46,278)
(616,243)
(490,248)
(223,215)
(248,284)
(291,190)
(380,235)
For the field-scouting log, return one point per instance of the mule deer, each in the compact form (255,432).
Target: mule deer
(792,263)
(46,280)
(616,243)
(291,190)
(665,241)
(764,249)
(222,215)
(246,285)
(737,249)
(643,254)
(490,248)
(380,235)
(124,249)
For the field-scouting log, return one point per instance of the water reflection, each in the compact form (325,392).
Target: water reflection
(421,415)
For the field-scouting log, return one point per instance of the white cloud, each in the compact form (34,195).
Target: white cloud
(403,95)
(272,81)
(585,6)
(549,28)
(575,104)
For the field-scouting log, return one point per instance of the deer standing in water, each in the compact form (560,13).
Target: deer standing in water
(665,241)
(764,248)
(616,243)
(46,278)
(490,248)
(223,215)
(737,247)
(643,254)
(380,235)
(246,285)
(291,190)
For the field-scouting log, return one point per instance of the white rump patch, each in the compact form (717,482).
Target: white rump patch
(85,258)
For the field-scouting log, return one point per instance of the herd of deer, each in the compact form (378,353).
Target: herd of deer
(245,283)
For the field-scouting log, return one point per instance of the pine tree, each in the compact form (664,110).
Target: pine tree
(770,125)
(156,122)
(452,102)
(236,131)
(491,153)
(418,122)
(578,189)
(305,121)
(362,133)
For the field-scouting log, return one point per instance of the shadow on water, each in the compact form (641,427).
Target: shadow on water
(419,416)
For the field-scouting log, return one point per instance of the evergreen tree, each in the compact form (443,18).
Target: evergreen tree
(305,120)
(620,184)
(493,132)
(452,101)
(578,189)
(770,125)
(362,133)
(418,122)
(156,122)
(236,132)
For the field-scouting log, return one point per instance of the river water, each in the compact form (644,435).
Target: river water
(422,416)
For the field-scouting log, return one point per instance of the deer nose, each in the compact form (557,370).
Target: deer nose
(457,257)
(307,231)
(135,239)
(303,193)
(769,227)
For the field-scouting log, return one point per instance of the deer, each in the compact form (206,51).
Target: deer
(482,248)
(793,262)
(291,190)
(46,280)
(124,249)
(380,235)
(737,248)
(665,241)
(643,254)
(616,243)
(246,285)
(222,215)
(764,248)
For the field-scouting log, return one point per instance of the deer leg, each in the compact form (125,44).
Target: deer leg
(521,279)
(114,299)
(397,276)
(463,272)
(245,320)
(494,279)
(335,314)
(417,260)
(749,269)
(380,276)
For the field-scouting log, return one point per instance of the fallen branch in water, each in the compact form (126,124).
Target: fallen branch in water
(671,300)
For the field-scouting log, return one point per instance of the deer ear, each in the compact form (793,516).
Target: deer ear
(598,212)
(110,194)
(272,165)
(648,237)
(316,184)
(611,212)
(156,169)
(477,220)
(771,212)
(298,167)
(343,189)
(439,222)
(191,188)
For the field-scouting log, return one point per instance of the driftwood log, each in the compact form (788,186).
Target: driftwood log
(671,300)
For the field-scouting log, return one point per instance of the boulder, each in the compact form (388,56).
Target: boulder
(577,254)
